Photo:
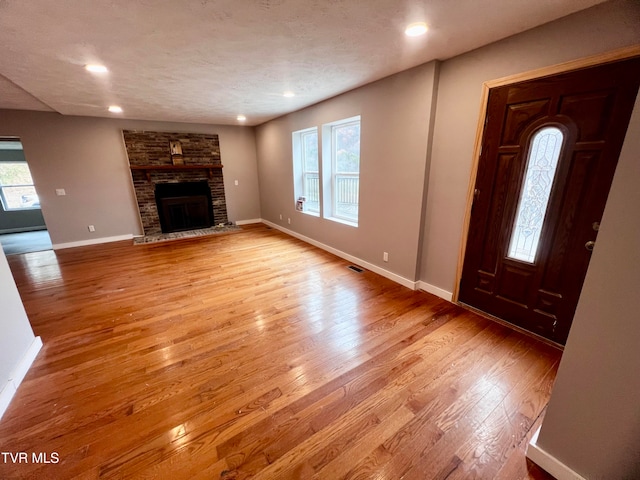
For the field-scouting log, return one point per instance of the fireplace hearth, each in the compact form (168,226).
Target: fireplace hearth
(184,206)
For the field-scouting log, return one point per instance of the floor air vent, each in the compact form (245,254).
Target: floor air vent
(355,269)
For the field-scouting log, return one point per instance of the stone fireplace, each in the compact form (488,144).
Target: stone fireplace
(175,196)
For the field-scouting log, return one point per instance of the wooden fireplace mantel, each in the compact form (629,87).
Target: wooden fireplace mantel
(148,168)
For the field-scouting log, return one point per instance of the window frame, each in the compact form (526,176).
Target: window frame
(330,130)
(300,171)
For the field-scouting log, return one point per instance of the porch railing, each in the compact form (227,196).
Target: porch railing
(347,193)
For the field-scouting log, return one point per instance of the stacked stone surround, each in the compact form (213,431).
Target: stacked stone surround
(152,148)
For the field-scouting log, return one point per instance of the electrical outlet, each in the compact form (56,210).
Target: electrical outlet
(91,228)
(236,183)
(280,216)
(60,192)
(385,256)
(289,221)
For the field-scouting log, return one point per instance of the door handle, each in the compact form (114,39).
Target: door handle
(589,245)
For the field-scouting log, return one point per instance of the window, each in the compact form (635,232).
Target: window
(328,183)
(306,170)
(540,172)
(345,139)
(343,159)
(16,187)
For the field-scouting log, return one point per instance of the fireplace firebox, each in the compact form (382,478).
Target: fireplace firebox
(184,206)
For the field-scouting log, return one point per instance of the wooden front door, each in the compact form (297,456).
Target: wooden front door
(549,152)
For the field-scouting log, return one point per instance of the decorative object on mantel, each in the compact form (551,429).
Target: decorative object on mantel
(163,237)
(176,152)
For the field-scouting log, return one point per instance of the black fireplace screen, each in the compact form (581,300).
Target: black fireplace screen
(184,206)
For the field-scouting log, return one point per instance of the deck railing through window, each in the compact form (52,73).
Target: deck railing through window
(346,196)
(312,192)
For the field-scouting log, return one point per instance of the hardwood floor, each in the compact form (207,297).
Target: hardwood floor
(254,355)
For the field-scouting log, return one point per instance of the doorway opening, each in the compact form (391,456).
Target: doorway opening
(22,226)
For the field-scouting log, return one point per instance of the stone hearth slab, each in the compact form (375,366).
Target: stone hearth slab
(201,232)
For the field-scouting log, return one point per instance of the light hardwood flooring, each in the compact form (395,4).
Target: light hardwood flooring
(255,355)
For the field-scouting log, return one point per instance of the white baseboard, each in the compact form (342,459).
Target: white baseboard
(18,374)
(548,462)
(248,222)
(437,291)
(93,241)
(362,263)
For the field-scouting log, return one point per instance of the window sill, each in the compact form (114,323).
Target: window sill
(343,221)
(313,214)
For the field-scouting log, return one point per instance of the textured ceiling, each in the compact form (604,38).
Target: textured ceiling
(209,60)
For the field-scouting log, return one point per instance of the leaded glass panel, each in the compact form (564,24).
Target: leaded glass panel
(540,172)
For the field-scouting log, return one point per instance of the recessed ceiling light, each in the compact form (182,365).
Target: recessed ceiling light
(241,118)
(416,29)
(93,68)
(115,109)
(288,94)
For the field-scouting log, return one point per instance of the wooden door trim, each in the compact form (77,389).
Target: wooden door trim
(586,62)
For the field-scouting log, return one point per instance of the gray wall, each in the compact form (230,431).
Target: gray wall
(592,423)
(21,221)
(16,336)
(396,115)
(599,29)
(86,156)
(398,158)
(18,220)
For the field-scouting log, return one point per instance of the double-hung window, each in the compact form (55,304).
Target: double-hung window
(16,187)
(327,180)
(345,169)
(306,170)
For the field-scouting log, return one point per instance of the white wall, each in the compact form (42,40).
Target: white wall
(16,337)
(396,116)
(592,424)
(86,156)
(14,324)
(599,29)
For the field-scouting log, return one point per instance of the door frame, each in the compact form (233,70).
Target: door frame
(591,61)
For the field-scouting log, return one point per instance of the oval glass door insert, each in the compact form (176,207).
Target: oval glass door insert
(540,172)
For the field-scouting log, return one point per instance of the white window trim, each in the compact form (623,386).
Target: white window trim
(299,168)
(328,131)
(305,172)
